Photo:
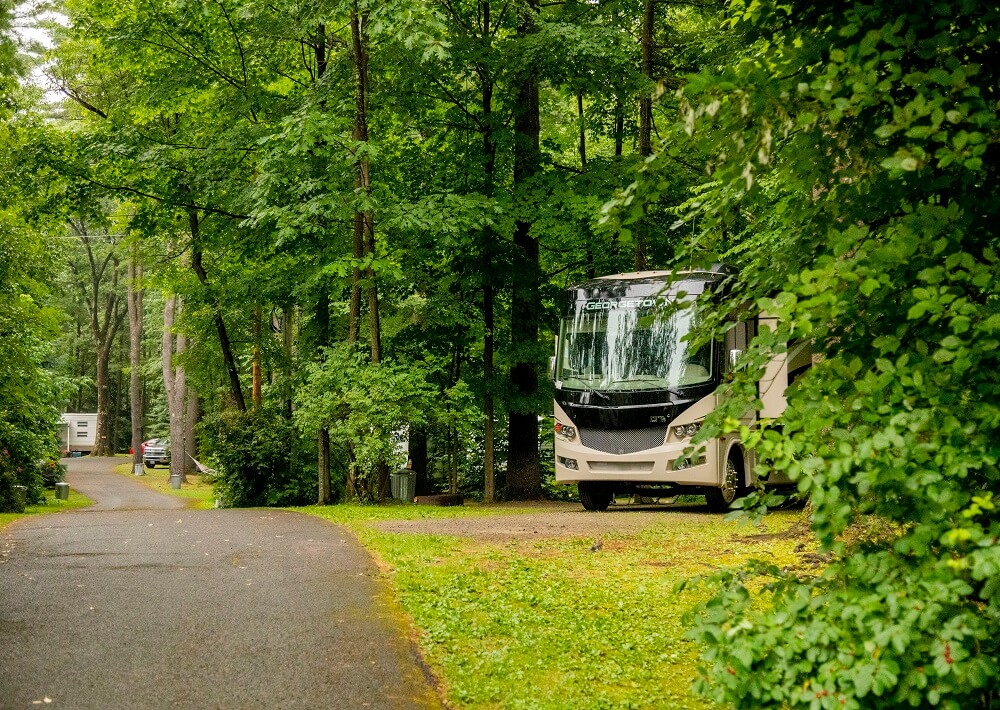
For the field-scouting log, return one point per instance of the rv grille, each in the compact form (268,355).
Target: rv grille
(623,441)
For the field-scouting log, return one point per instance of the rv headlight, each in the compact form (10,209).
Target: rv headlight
(683,431)
(565,430)
(571,464)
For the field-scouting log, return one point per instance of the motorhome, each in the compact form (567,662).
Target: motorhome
(631,390)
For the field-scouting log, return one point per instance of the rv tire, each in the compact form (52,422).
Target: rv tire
(595,495)
(733,486)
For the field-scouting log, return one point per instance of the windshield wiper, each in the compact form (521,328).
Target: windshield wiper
(591,390)
(649,378)
(586,387)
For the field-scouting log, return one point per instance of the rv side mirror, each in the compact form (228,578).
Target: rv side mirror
(552,367)
(734,356)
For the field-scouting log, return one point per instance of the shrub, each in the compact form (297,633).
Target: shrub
(363,405)
(20,478)
(254,459)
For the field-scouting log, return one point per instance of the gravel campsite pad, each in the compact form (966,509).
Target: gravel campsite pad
(554,520)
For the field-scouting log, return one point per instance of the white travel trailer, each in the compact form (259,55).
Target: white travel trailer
(631,392)
(78,432)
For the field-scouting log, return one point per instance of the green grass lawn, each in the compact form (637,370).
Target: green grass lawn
(550,623)
(51,504)
(198,492)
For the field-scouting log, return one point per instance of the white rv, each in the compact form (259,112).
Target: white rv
(631,392)
(78,432)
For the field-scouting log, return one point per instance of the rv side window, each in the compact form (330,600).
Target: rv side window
(799,359)
(736,342)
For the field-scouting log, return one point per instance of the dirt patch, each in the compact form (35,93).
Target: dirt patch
(560,520)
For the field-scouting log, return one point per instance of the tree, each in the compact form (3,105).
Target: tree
(28,417)
(101,292)
(523,477)
(175,384)
(853,153)
(135,314)
(28,325)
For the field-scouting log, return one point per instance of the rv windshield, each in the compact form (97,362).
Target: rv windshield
(622,344)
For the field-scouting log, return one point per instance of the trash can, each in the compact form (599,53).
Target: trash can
(403,485)
(62,490)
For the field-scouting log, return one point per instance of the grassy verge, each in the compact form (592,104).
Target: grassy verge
(198,492)
(51,504)
(552,623)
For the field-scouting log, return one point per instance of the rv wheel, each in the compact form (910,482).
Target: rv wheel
(595,495)
(719,499)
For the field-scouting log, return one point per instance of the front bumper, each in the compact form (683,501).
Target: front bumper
(666,464)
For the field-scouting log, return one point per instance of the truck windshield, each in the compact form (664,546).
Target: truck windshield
(629,345)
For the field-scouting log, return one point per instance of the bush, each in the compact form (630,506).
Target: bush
(254,455)
(52,472)
(362,405)
(20,478)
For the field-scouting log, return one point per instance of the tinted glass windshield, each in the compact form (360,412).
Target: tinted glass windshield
(629,345)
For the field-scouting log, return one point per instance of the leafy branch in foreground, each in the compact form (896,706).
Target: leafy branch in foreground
(854,154)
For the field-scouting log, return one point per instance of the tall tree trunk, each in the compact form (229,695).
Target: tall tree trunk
(175,385)
(322,317)
(489,169)
(80,370)
(287,372)
(190,422)
(374,322)
(489,433)
(320,49)
(257,369)
(362,177)
(364,220)
(583,165)
(619,126)
(645,118)
(454,375)
(102,444)
(287,336)
(325,492)
(359,132)
(235,387)
(135,352)
(418,459)
(523,473)
(115,401)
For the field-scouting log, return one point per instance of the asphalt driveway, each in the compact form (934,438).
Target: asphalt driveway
(138,602)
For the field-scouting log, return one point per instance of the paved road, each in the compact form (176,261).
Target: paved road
(138,602)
